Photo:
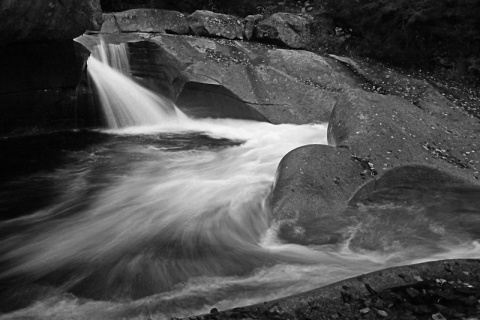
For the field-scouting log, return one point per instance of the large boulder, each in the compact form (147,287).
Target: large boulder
(145,20)
(314,184)
(380,142)
(37,21)
(211,24)
(288,29)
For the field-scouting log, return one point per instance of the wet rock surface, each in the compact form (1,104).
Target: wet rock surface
(447,289)
(392,142)
(315,181)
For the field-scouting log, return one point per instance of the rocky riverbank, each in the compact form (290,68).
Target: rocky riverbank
(438,290)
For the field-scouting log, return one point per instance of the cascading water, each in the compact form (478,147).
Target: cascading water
(124,102)
(162,215)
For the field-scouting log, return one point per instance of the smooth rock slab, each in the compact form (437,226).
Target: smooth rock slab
(391,132)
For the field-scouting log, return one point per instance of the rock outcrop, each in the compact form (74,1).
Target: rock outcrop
(145,20)
(392,142)
(285,86)
(285,29)
(211,24)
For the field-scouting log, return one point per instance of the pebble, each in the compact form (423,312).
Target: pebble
(382,313)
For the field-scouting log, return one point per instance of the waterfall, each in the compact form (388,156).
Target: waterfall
(124,102)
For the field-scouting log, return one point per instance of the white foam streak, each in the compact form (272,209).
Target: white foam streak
(126,103)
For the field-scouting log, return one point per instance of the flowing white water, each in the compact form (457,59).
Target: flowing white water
(143,225)
(125,103)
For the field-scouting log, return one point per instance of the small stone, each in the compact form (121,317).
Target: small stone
(382,313)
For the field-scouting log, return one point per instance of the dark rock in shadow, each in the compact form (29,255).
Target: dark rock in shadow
(201,100)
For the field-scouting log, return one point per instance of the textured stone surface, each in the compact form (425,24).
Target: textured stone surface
(211,24)
(285,86)
(391,132)
(145,20)
(288,29)
(54,20)
(249,25)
